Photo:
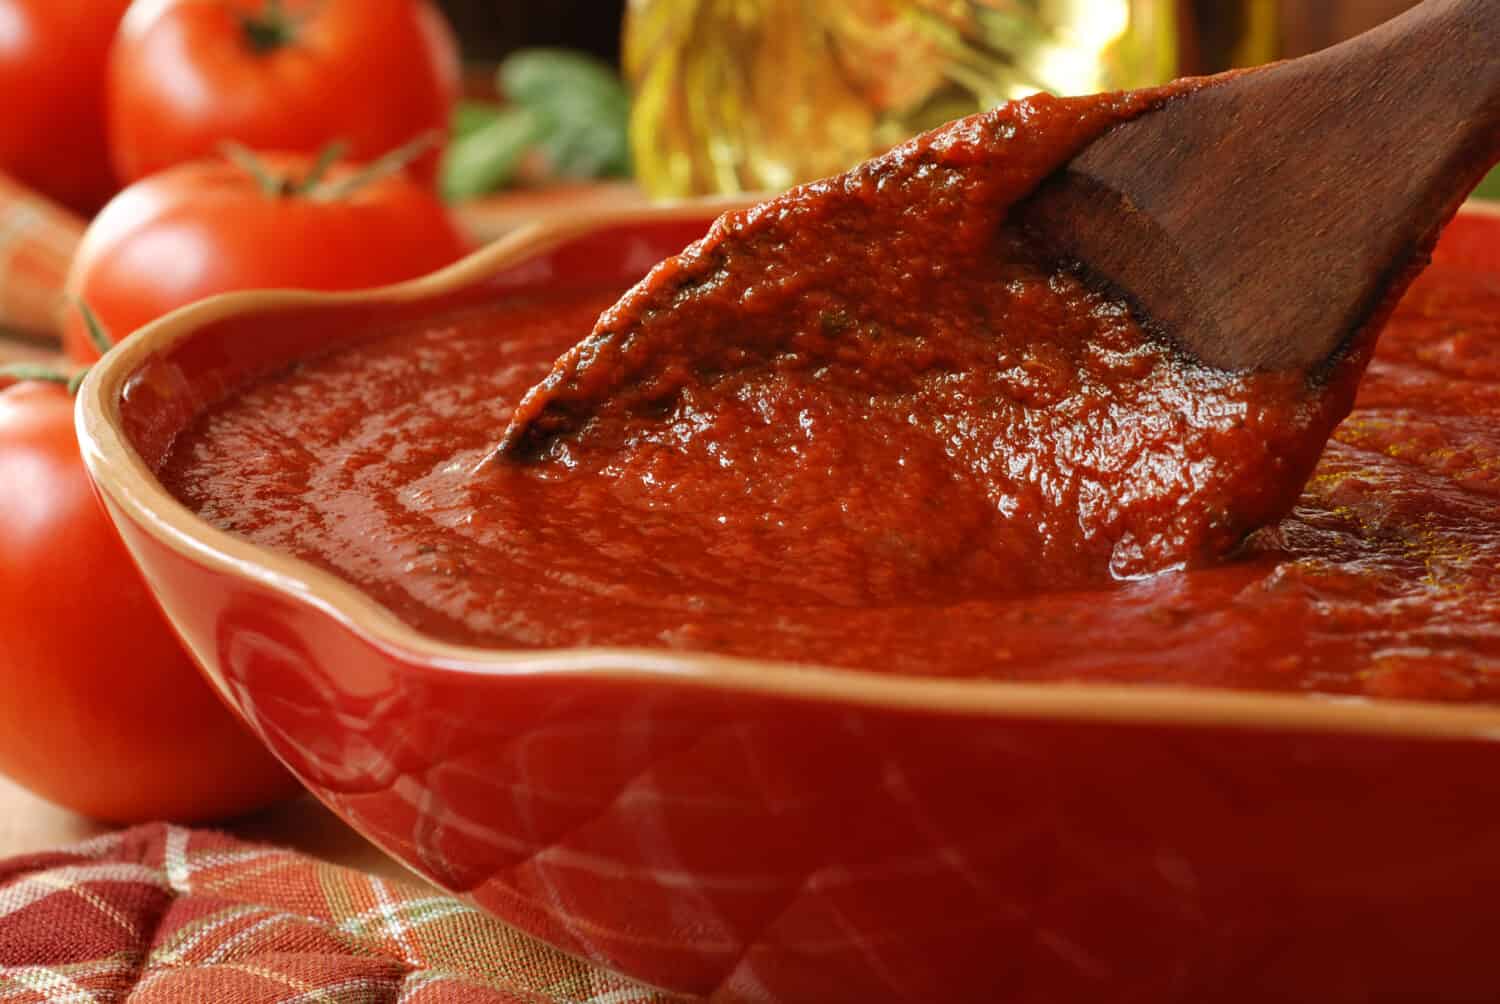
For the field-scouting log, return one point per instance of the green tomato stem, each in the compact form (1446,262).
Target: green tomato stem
(313,185)
(42,373)
(329,156)
(381,167)
(98,334)
(273,28)
(271,185)
(35,372)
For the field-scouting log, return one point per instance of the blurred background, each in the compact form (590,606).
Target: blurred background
(490,29)
(756,95)
(582,105)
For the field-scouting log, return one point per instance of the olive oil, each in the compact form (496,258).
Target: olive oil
(748,95)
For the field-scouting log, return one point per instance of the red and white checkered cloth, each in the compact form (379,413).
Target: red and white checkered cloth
(164,914)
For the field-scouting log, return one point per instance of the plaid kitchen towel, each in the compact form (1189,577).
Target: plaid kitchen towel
(37,241)
(164,914)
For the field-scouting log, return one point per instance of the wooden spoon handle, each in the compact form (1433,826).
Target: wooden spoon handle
(1415,106)
(1436,70)
(1268,219)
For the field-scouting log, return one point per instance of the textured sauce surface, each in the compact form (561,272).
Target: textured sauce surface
(1382,580)
(862,424)
(889,396)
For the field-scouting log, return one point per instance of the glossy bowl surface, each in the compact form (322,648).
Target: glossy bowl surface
(766,832)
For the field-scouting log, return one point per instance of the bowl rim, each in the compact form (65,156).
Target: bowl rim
(121,474)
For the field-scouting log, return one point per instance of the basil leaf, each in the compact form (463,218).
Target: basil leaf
(471,116)
(586,107)
(1489,188)
(568,106)
(554,77)
(487,157)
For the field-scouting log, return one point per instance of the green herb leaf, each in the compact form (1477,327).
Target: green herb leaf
(585,105)
(487,158)
(536,77)
(472,116)
(1489,188)
(568,106)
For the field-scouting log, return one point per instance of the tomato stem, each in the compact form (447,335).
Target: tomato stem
(273,28)
(326,159)
(95,327)
(313,185)
(43,373)
(271,185)
(383,166)
(24,372)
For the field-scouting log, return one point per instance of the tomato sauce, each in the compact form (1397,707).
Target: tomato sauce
(986,471)
(878,364)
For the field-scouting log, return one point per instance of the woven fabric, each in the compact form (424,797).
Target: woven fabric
(37,241)
(163,914)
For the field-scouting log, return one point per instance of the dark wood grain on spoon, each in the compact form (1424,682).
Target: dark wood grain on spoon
(1262,222)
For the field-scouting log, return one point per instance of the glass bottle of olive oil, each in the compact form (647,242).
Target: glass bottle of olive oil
(757,95)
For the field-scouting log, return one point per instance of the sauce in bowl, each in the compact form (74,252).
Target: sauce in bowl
(1381,581)
(864,424)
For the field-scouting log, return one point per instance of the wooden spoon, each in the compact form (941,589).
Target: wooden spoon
(1258,220)
(1263,222)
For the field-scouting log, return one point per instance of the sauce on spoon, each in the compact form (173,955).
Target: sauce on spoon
(879,363)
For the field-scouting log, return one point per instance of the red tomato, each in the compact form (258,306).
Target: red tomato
(186,75)
(52,59)
(103,712)
(208,227)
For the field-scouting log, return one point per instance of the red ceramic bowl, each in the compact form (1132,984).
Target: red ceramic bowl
(755,831)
